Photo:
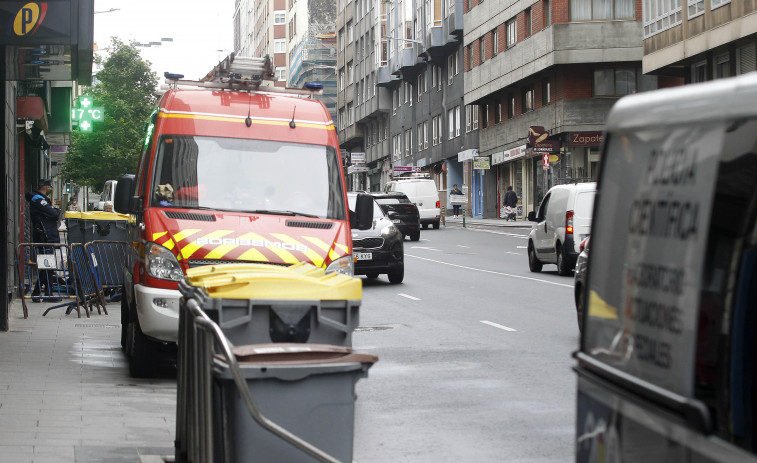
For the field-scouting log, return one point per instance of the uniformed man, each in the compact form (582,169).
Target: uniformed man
(44,218)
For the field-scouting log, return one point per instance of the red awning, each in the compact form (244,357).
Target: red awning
(30,108)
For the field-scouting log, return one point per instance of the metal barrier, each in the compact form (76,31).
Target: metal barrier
(108,259)
(45,272)
(89,292)
(200,342)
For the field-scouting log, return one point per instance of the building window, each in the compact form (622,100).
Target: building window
(528,100)
(350,114)
(408,142)
(350,32)
(546,93)
(357,92)
(435,131)
(281,73)
(746,59)
(279,17)
(512,33)
(482,49)
(350,73)
(341,39)
(528,22)
(699,72)
(498,112)
(547,13)
(425,135)
(622,81)
(718,3)
(469,49)
(420,136)
(661,15)
(721,66)
(396,149)
(395,100)
(587,10)
(457,121)
(510,106)
(341,119)
(495,42)
(451,124)
(406,91)
(341,79)
(452,69)
(696,8)
(421,81)
(280,46)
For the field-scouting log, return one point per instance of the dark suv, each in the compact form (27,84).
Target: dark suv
(378,249)
(402,212)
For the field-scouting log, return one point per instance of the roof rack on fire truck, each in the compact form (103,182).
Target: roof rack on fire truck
(242,73)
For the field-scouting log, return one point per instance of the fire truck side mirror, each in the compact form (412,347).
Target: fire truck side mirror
(362,219)
(123,198)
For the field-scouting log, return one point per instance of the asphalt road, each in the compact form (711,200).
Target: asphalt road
(474,355)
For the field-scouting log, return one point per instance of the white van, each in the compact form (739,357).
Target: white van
(667,365)
(563,221)
(421,190)
(107,195)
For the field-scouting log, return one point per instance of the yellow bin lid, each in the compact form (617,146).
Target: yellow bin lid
(100,215)
(73,215)
(259,281)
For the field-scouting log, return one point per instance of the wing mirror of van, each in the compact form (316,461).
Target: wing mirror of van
(532,216)
(123,201)
(362,219)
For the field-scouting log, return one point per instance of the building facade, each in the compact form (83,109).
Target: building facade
(401,92)
(700,40)
(544,74)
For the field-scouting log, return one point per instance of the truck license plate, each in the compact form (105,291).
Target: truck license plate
(363,256)
(396,220)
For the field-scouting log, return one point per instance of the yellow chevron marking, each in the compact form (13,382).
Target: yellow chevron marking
(314,257)
(285,255)
(169,245)
(253,255)
(155,236)
(190,249)
(185,233)
(224,249)
(344,248)
(319,243)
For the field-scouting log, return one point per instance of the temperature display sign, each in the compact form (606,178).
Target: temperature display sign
(87,113)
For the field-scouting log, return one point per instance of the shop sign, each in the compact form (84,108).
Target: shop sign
(356,169)
(547,146)
(357,158)
(481,163)
(36,23)
(508,155)
(536,135)
(585,138)
(467,155)
(402,169)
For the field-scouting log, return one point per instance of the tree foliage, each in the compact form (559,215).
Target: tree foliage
(126,89)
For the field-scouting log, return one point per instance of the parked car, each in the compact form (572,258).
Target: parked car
(563,221)
(378,249)
(421,190)
(402,212)
(579,281)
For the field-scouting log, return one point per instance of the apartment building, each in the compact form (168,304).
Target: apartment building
(700,40)
(401,91)
(545,74)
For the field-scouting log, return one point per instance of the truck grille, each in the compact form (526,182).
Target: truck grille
(190,216)
(307,224)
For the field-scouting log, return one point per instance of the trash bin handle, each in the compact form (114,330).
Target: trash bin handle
(203,321)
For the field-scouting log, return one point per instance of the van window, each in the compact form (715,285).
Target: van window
(584,204)
(543,208)
(248,176)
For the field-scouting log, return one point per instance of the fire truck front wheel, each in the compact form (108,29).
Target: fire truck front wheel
(140,350)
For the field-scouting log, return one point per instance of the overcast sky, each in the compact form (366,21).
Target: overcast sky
(202,31)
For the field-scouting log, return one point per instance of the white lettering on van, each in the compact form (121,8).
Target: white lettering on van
(252,243)
(671,167)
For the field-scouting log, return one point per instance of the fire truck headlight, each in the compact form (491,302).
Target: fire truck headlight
(343,265)
(162,264)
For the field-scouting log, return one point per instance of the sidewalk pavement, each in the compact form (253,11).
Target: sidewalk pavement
(66,395)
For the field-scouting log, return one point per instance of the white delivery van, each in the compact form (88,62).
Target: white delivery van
(667,368)
(563,221)
(421,190)
(108,194)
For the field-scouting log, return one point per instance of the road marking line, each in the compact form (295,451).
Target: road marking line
(408,296)
(490,271)
(426,248)
(516,253)
(462,246)
(499,233)
(497,325)
(521,247)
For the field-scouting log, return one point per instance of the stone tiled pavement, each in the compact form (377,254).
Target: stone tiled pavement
(66,395)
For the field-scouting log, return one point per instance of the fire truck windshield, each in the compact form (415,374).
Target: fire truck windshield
(231,174)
